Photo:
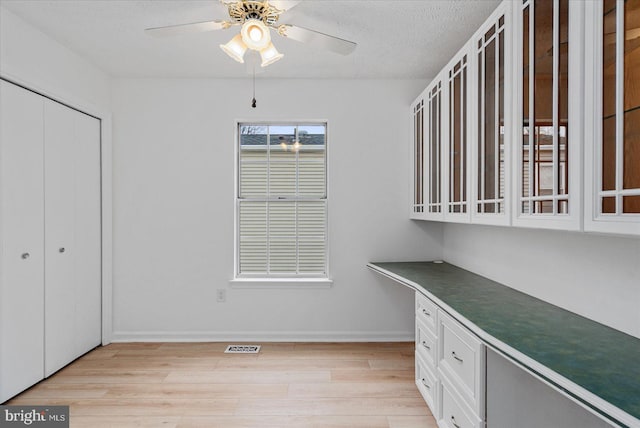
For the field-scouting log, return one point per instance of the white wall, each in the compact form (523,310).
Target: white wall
(595,276)
(31,58)
(174,210)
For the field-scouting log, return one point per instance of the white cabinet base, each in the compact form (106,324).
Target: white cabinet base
(517,399)
(454,413)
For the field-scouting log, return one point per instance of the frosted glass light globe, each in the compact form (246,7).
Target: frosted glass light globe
(255,34)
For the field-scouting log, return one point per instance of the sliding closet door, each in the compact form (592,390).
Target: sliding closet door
(21,250)
(60,302)
(88,238)
(72,235)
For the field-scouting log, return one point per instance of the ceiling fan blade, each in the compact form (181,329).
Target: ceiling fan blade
(194,27)
(317,39)
(284,5)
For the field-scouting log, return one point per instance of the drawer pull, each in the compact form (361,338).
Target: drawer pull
(455,356)
(427,313)
(424,382)
(453,421)
(425,345)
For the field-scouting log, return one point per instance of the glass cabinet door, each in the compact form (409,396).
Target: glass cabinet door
(491,154)
(612,159)
(418,159)
(457,201)
(619,152)
(433,140)
(545,127)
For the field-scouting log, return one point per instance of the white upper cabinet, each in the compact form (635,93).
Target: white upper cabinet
(547,88)
(456,138)
(612,111)
(433,152)
(428,152)
(440,186)
(535,122)
(417,178)
(492,134)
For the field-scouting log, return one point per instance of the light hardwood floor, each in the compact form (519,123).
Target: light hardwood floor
(321,385)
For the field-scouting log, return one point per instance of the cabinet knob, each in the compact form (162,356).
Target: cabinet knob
(25,256)
(427,313)
(425,345)
(455,356)
(61,250)
(424,382)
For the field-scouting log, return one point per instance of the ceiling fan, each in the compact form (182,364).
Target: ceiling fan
(256,19)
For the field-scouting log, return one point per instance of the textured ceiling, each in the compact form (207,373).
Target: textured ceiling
(396,39)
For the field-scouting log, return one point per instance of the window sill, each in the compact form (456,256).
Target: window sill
(297,283)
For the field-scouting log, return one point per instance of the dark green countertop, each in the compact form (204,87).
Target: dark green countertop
(602,360)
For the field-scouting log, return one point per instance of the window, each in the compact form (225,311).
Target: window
(281,202)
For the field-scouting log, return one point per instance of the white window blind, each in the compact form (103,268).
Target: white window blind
(282,200)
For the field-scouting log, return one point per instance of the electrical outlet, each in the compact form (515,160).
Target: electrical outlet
(221,295)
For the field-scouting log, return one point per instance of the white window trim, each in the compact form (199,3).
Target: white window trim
(310,283)
(257,281)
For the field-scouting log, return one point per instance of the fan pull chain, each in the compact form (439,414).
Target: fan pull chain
(253,101)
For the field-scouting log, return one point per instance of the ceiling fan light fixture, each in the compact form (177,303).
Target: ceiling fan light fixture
(235,48)
(270,55)
(256,19)
(255,34)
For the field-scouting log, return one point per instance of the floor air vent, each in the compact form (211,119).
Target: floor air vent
(242,349)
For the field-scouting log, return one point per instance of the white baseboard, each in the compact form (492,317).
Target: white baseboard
(262,336)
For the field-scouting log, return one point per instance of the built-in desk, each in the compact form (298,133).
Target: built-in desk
(595,365)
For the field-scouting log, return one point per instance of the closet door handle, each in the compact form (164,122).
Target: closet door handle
(61,250)
(25,256)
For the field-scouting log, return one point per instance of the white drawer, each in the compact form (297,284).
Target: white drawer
(461,359)
(426,344)
(426,311)
(453,412)
(427,384)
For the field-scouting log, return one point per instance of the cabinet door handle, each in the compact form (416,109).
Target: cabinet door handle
(427,313)
(455,356)
(424,382)
(25,256)
(453,421)
(61,250)
(425,345)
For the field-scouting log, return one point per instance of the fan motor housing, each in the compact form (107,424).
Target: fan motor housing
(262,10)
